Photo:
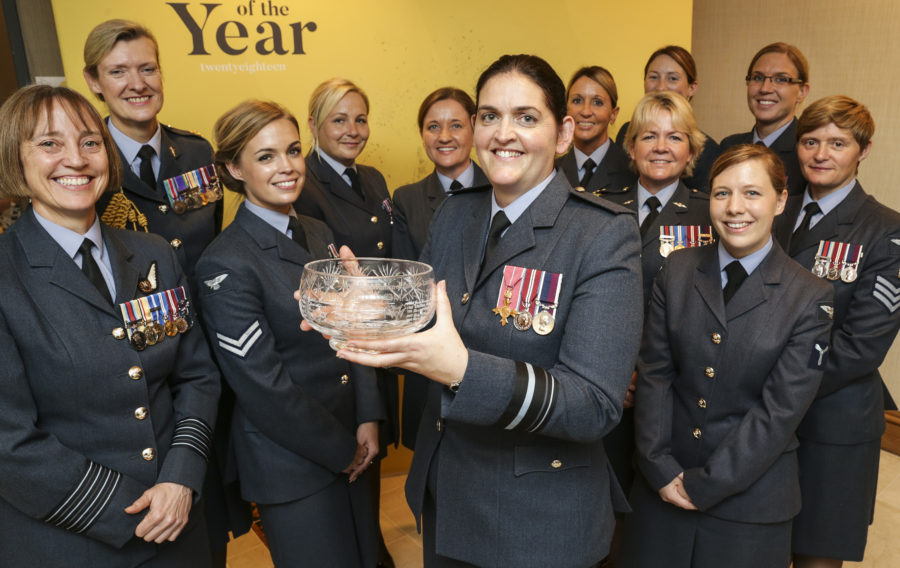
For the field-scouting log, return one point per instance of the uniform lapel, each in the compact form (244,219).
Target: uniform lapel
(270,242)
(672,213)
(473,239)
(568,166)
(754,291)
(434,192)
(520,235)
(334,183)
(134,184)
(126,275)
(708,282)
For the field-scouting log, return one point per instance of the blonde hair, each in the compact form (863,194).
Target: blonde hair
(682,119)
(104,37)
(234,130)
(21,114)
(325,97)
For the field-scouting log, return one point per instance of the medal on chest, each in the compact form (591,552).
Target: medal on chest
(150,319)
(677,237)
(193,189)
(837,261)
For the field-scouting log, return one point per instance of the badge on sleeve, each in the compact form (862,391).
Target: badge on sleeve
(826,311)
(886,293)
(818,357)
(215,283)
(240,346)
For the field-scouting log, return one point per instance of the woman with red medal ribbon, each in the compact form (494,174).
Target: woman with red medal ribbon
(509,468)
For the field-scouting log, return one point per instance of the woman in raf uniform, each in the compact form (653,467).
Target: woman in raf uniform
(445,123)
(305,422)
(732,356)
(672,68)
(843,235)
(509,468)
(161,166)
(595,162)
(777,84)
(108,396)
(353,200)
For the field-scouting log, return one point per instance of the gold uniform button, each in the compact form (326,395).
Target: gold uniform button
(556,464)
(380,245)
(374,219)
(697,433)
(710,372)
(716,338)
(140,413)
(119,333)
(437,424)
(579,189)
(163,209)
(148,454)
(701,403)
(135,373)
(345,379)
(176,243)
(465,299)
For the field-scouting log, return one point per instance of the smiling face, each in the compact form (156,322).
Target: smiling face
(771,104)
(130,82)
(344,132)
(447,136)
(66,168)
(516,135)
(743,205)
(660,152)
(665,74)
(591,107)
(829,157)
(271,166)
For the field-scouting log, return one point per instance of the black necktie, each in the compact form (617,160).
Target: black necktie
(455,185)
(498,224)
(146,155)
(654,204)
(812,208)
(91,270)
(736,276)
(297,234)
(354,182)
(588,167)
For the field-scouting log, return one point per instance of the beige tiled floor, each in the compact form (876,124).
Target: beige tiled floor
(405,544)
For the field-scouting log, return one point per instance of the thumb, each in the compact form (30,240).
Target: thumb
(443,310)
(139,505)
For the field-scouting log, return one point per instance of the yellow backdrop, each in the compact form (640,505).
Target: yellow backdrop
(396,50)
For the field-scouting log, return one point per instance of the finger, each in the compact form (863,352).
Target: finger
(349,261)
(297,295)
(139,505)
(443,309)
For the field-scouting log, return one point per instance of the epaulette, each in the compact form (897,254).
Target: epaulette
(599,201)
(697,194)
(181,132)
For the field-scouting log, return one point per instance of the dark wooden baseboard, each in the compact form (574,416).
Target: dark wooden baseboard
(891,440)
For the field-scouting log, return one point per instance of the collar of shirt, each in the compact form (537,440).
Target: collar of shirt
(131,147)
(515,209)
(70,241)
(277,220)
(664,195)
(467,178)
(768,140)
(826,204)
(337,166)
(749,262)
(597,155)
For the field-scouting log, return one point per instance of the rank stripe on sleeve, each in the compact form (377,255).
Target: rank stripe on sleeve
(533,400)
(86,502)
(193,433)
(886,293)
(241,345)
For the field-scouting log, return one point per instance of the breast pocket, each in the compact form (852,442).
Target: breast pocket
(550,458)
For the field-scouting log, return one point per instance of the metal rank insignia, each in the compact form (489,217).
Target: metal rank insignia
(837,261)
(677,237)
(150,319)
(530,296)
(193,189)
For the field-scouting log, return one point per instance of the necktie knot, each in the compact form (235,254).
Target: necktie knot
(354,182)
(588,168)
(653,203)
(146,154)
(297,234)
(454,185)
(499,223)
(736,276)
(811,209)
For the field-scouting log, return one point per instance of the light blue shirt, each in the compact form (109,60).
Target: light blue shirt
(467,178)
(749,262)
(338,167)
(130,148)
(515,209)
(597,155)
(826,204)
(70,241)
(279,221)
(664,195)
(768,140)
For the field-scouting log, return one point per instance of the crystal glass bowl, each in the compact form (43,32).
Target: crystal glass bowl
(366,298)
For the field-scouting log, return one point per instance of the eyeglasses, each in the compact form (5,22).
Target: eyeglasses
(777,80)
